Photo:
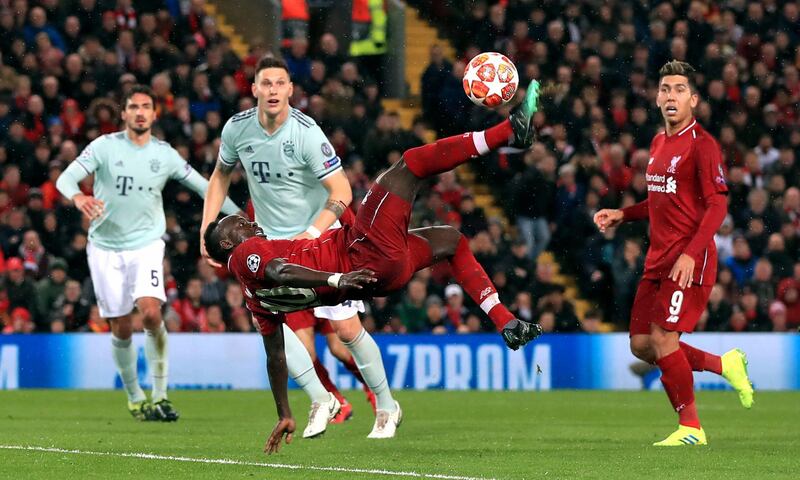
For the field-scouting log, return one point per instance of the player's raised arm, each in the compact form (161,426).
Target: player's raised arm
(278,377)
(292,275)
(218,184)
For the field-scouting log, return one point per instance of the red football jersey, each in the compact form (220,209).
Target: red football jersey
(684,170)
(250,258)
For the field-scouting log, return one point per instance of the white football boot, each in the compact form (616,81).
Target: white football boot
(320,414)
(386,422)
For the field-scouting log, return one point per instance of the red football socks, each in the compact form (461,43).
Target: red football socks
(351,366)
(474,280)
(702,361)
(676,375)
(325,379)
(448,153)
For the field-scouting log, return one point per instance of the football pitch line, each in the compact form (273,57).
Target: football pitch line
(227,461)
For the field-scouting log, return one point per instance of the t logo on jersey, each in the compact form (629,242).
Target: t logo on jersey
(261,171)
(124,185)
(673,164)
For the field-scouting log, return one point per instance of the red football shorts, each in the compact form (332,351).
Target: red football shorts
(306,319)
(379,241)
(663,303)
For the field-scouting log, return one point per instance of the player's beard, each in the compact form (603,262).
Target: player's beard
(138,130)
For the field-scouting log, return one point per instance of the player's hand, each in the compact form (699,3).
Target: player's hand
(88,205)
(204,252)
(682,271)
(357,280)
(285,426)
(608,218)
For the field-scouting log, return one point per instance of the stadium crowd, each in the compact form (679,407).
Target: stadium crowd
(64,66)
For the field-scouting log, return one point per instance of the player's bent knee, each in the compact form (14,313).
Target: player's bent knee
(121,327)
(152,317)
(642,349)
(347,330)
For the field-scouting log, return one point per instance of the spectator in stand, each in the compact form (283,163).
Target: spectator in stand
(191,311)
(20,290)
(789,295)
(412,311)
(71,310)
(213,291)
(455,311)
(742,263)
(19,322)
(50,288)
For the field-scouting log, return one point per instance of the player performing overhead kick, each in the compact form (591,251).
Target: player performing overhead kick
(374,256)
(299,190)
(686,204)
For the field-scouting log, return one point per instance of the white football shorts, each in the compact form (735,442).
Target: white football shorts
(122,277)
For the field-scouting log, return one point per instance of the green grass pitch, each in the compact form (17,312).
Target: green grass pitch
(515,435)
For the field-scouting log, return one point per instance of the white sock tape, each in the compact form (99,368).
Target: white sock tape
(479,139)
(490,302)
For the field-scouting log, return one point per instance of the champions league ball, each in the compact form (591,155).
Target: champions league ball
(490,79)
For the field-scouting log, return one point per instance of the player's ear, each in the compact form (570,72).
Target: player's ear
(694,99)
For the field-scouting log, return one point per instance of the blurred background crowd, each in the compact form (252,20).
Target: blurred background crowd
(65,64)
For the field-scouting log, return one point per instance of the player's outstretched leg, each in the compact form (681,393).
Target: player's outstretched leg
(324,406)
(734,370)
(404,178)
(732,366)
(447,243)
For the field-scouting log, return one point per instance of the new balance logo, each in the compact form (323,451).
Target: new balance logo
(672,319)
(672,185)
(364,202)
(673,164)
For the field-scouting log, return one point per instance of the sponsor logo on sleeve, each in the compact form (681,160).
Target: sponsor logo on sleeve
(333,162)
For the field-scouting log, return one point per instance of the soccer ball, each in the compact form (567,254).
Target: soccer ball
(490,79)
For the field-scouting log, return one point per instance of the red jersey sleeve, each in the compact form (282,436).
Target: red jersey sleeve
(247,263)
(708,157)
(251,258)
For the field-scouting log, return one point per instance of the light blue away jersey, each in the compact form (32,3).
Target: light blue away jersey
(284,170)
(129,180)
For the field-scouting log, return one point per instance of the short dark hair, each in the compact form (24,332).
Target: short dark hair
(214,249)
(271,61)
(138,88)
(676,67)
